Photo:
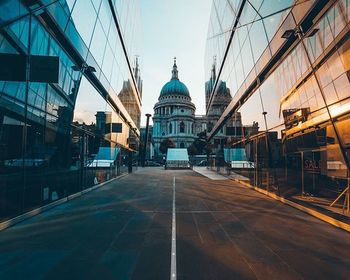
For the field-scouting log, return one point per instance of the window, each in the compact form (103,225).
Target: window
(182,127)
(182,145)
(170,128)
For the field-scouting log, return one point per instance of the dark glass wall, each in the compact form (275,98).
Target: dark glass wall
(57,139)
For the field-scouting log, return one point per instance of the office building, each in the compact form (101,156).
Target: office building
(59,136)
(286,65)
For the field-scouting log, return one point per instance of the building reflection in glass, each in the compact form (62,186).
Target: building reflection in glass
(58,139)
(300,107)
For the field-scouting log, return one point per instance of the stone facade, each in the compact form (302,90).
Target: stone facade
(174,115)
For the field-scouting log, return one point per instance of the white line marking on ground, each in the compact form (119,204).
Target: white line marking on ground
(173,238)
(197,228)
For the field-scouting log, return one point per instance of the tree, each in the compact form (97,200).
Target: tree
(208,149)
(200,146)
(165,144)
(192,150)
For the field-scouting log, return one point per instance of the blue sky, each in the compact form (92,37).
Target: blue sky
(173,28)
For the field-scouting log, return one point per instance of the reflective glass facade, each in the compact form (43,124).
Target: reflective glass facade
(287,65)
(57,139)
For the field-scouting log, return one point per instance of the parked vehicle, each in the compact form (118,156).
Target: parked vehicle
(203,163)
(152,163)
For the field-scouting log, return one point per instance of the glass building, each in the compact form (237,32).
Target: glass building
(59,138)
(287,66)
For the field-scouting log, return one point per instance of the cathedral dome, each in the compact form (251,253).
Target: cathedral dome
(174,86)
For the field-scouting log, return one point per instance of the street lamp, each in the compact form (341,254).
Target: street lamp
(76,83)
(289,33)
(84,68)
(143,159)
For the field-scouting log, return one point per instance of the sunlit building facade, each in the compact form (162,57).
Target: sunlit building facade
(174,114)
(287,66)
(59,138)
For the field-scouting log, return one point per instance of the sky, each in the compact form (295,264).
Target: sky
(173,28)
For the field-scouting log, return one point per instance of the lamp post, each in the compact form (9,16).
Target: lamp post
(143,159)
(84,68)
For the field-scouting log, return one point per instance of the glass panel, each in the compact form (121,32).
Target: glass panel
(12,126)
(80,19)
(271,103)
(343,129)
(258,40)
(10,10)
(98,43)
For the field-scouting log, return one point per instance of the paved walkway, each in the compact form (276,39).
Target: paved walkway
(213,175)
(209,173)
(124,231)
